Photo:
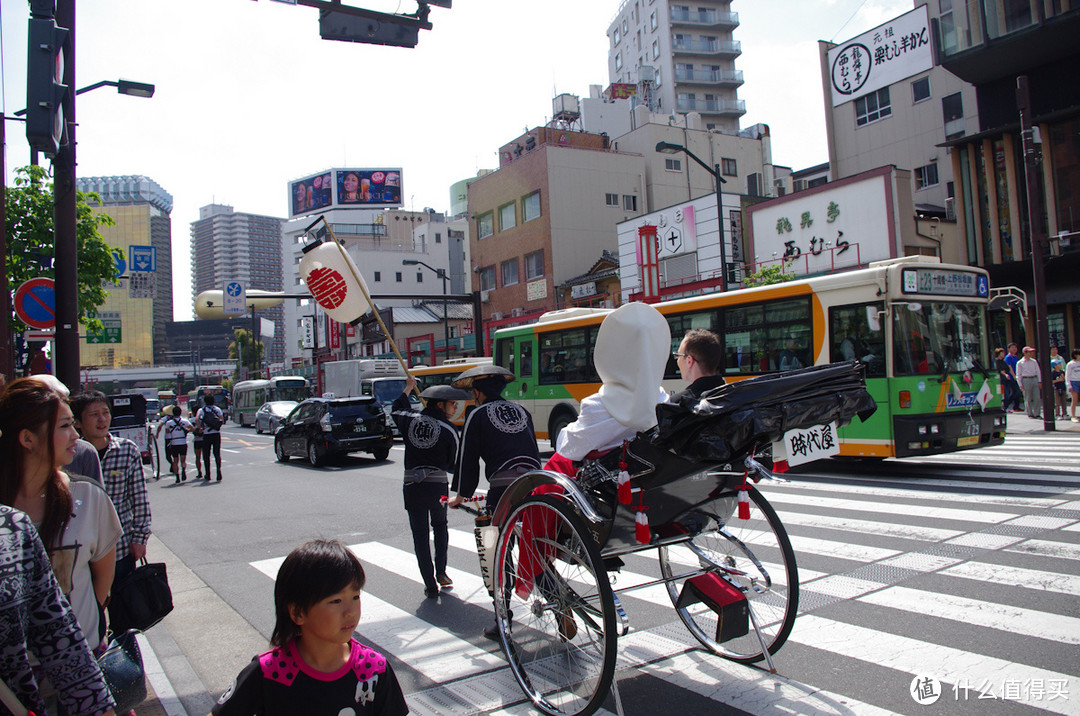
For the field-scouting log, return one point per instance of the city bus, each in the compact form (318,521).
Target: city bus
(249,395)
(444,374)
(221,399)
(918,325)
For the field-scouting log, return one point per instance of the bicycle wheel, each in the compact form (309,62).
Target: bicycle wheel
(754,555)
(554,608)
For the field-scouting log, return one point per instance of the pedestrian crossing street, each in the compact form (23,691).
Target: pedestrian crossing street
(900,580)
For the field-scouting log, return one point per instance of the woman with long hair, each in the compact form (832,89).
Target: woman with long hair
(75,518)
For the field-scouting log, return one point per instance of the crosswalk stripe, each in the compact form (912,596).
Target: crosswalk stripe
(1015,620)
(436,653)
(1016,577)
(793,502)
(886,529)
(796,485)
(917,657)
(1048,548)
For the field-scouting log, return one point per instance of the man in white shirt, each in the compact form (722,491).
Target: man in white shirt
(1029,374)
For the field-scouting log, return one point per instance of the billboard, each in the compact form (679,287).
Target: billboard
(311,194)
(368,187)
(344,188)
(889,53)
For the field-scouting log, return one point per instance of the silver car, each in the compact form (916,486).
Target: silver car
(269,416)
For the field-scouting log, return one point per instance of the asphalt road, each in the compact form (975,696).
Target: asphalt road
(881,598)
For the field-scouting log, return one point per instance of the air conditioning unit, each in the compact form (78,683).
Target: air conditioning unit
(950,208)
(515,312)
(485,296)
(496,315)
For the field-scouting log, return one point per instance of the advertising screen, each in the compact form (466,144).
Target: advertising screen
(368,187)
(311,194)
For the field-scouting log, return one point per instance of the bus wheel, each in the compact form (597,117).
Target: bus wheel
(559,421)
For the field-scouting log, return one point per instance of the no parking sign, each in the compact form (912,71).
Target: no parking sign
(35,303)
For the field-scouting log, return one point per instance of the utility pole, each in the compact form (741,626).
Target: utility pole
(65,221)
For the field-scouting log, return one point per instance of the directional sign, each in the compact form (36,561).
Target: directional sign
(234,298)
(142,258)
(35,303)
(110,332)
(142,284)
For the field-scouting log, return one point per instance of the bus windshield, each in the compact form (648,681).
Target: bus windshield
(938,338)
(299,393)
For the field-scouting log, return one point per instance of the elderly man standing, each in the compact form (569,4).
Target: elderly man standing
(1029,374)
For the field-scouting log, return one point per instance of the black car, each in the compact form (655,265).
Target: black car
(320,427)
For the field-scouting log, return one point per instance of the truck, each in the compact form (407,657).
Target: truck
(380,378)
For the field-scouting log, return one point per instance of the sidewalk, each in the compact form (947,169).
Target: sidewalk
(1020,424)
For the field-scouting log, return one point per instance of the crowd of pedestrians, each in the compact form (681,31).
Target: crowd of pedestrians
(1022,379)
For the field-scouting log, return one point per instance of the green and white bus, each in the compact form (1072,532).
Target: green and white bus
(249,395)
(920,327)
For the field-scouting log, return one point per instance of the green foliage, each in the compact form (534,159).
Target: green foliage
(29,231)
(770,274)
(240,351)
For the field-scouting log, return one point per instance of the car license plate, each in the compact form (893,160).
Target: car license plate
(807,445)
(970,440)
(359,428)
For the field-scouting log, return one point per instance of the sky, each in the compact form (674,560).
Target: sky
(248,97)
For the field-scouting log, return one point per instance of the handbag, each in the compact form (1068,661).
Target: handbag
(141,599)
(122,667)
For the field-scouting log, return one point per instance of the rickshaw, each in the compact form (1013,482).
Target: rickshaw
(686,489)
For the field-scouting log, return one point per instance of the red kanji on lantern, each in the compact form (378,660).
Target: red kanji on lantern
(328,287)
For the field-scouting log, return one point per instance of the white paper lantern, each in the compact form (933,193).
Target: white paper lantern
(334,281)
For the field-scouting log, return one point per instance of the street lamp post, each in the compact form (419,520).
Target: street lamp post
(670,148)
(446,318)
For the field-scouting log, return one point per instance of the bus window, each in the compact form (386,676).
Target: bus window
(771,336)
(504,354)
(853,336)
(525,352)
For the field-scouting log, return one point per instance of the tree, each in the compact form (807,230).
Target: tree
(240,350)
(770,274)
(30,242)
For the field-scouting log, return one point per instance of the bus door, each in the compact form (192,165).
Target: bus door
(857,332)
(516,354)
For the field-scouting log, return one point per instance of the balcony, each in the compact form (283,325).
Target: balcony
(735,107)
(708,47)
(733,78)
(705,18)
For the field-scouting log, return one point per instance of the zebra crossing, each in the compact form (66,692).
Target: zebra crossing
(913,592)
(1058,451)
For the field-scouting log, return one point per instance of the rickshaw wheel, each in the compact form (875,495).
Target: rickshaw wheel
(558,628)
(772,590)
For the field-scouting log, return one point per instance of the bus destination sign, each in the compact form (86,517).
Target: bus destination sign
(943,282)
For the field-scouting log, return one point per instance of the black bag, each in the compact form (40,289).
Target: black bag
(141,599)
(211,418)
(122,666)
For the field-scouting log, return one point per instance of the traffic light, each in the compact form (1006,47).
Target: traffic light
(45,88)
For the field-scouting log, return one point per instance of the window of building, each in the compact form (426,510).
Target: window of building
(926,176)
(378,275)
(485,225)
(530,207)
(487,278)
(397,276)
(629,202)
(438,238)
(920,90)
(618,61)
(728,167)
(419,277)
(507,217)
(509,271)
(672,165)
(655,49)
(652,20)
(611,199)
(617,37)
(952,109)
(872,107)
(534,265)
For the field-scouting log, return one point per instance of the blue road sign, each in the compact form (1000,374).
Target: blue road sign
(142,258)
(121,262)
(35,303)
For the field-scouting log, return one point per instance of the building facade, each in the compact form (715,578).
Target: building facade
(992,44)
(232,246)
(677,56)
(902,120)
(139,305)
